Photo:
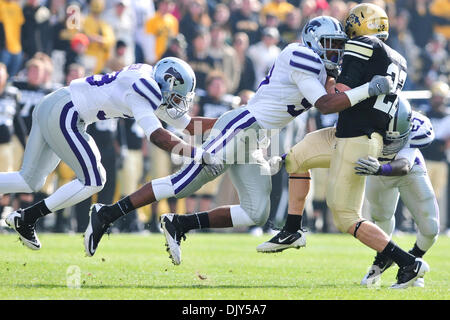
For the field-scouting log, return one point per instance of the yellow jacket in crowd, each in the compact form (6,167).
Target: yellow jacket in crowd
(11,16)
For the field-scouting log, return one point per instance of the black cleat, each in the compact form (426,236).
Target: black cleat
(95,230)
(173,233)
(27,232)
(283,240)
(407,275)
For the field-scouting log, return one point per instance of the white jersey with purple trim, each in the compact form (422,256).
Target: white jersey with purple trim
(128,93)
(293,85)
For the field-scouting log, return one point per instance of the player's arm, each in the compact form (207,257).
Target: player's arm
(371,166)
(193,125)
(327,103)
(199,125)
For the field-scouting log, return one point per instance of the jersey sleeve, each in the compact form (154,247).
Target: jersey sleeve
(422,133)
(305,67)
(357,54)
(148,89)
(144,116)
(304,60)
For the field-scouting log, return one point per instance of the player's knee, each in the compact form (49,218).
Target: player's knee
(430,228)
(34,184)
(258,211)
(293,163)
(345,220)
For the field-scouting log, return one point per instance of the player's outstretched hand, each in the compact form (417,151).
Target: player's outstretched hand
(369,166)
(212,163)
(380,85)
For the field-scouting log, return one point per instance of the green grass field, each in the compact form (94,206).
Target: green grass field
(215,266)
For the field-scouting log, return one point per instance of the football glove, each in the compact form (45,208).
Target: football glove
(213,165)
(334,73)
(380,85)
(369,166)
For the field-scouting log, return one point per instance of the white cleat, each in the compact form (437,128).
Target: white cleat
(283,240)
(173,233)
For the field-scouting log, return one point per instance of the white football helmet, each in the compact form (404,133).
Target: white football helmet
(399,128)
(176,79)
(324,34)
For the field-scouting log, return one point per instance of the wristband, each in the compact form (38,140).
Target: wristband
(385,170)
(358,94)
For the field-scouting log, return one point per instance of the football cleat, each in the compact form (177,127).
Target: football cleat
(95,230)
(283,240)
(420,282)
(27,232)
(173,233)
(380,264)
(407,275)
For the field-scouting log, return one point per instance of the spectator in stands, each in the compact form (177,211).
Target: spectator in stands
(101,38)
(142,11)
(121,18)
(118,59)
(338,9)
(12,19)
(198,56)
(177,48)
(247,76)
(225,57)
(278,8)
(162,26)
(196,17)
(246,19)
(36,35)
(76,52)
(290,30)
(438,55)
(435,154)
(264,53)
(221,17)
(440,9)
(10,123)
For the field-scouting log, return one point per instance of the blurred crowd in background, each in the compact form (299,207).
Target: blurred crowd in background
(231,45)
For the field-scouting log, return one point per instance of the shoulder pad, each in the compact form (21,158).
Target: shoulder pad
(361,47)
(304,59)
(148,89)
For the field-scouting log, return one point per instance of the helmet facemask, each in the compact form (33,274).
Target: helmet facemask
(176,105)
(332,50)
(394,142)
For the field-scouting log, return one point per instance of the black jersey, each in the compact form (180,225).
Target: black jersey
(30,97)
(365,57)
(9,120)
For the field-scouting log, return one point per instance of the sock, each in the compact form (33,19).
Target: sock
(402,258)
(36,211)
(192,221)
(416,251)
(117,210)
(293,223)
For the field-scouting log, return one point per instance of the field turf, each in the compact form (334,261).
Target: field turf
(215,266)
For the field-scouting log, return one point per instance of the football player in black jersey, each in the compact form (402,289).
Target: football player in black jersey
(359,133)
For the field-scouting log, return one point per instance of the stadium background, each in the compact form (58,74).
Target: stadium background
(231,45)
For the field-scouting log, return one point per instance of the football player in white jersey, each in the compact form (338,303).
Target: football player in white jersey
(401,172)
(58,132)
(295,83)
